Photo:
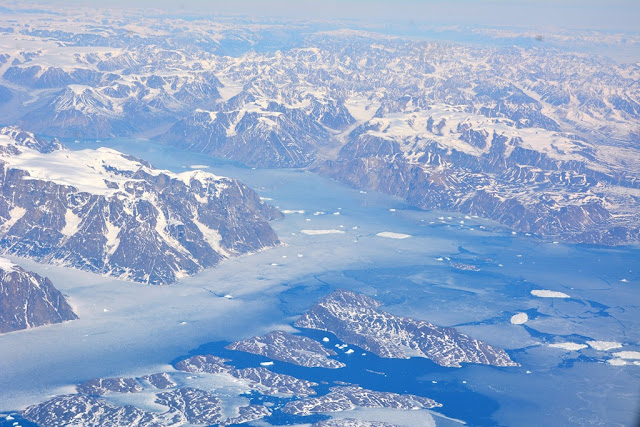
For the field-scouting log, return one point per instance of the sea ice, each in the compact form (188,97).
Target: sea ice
(571,346)
(628,355)
(519,319)
(392,235)
(315,232)
(604,345)
(544,293)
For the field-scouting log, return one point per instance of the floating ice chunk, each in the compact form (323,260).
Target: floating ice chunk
(392,235)
(555,242)
(336,213)
(319,213)
(292,211)
(266,198)
(544,293)
(616,362)
(604,345)
(514,233)
(628,355)
(228,296)
(464,382)
(571,346)
(392,210)
(198,166)
(325,339)
(363,192)
(308,219)
(315,232)
(528,372)
(300,255)
(9,418)
(183,323)
(106,310)
(274,264)
(266,363)
(284,256)
(350,351)
(519,318)
(624,280)
(434,382)
(439,259)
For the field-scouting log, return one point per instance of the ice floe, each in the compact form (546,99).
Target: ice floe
(633,355)
(315,232)
(519,319)
(544,293)
(571,346)
(392,235)
(604,345)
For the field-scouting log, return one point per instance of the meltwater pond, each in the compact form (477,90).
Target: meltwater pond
(451,270)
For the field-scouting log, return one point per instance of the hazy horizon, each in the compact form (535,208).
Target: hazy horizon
(615,15)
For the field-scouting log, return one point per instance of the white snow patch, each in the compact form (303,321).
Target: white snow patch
(392,235)
(212,237)
(544,293)
(519,319)
(14,216)
(7,265)
(71,222)
(112,238)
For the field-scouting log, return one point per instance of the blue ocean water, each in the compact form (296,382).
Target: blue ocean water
(429,277)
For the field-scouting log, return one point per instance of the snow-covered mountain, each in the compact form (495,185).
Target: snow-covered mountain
(542,140)
(109,213)
(356,319)
(28,300)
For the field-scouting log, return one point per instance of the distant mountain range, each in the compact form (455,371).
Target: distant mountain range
(540,140)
